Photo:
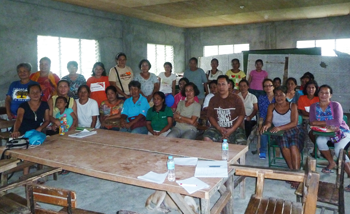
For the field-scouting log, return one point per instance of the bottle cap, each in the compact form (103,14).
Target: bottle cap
(170,157)
(225,140)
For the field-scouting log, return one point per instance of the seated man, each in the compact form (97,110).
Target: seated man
(213,90)
(226,113)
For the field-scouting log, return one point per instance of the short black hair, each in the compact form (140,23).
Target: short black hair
(168,63)
(322,86)
(111,87)
(280,88)
(311,76)
(62,98)
(46,58)
(184,79)
(32,85)
(214,59)
(194,59)
(84,86)
(195,89)
(134,83)
(145,60)
(161,94)
(61,81)
(25,65)
(224,77)
(102,66)
(119,55)
(292,79)
(244,80)
(277,78)
(311,82)
(74,63)
(259,60)
(235,59)
(266,80)
(213,82)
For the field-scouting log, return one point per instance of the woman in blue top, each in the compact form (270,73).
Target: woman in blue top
(292,95)
(134,111)
(263,103)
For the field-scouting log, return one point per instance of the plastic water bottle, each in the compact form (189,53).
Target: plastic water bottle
(171,168)
(62,128)
(224,149)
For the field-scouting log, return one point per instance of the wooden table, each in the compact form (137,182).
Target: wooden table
(117,157)
(5,124)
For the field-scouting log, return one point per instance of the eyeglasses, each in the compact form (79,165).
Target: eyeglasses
(268,86)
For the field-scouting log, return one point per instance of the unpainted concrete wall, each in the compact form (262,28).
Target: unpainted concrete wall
(22,20)
(273,35)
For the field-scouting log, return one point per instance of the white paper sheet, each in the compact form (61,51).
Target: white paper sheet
(186,161)
(192,184)
(83,133)
(211,169)
(153,177)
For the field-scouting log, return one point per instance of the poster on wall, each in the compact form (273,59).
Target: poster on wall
(274,64)
(224,62)
(333,71)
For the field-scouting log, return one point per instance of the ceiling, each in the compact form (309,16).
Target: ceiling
(205,13)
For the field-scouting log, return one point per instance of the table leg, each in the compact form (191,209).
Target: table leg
(205,205)
(229,186)
(181,203)
(242,184)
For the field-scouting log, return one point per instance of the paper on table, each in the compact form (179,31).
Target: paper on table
(186,161)
(83,133)
(153,177)
(197,184)
(307,108)
(211,169)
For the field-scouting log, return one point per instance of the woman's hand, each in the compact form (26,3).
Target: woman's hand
(177,115)
(247,118)
(275,129)
(127,125)
(15,134)
(149,97)
(39,129)
(9,116)
(57,122)
(264,129)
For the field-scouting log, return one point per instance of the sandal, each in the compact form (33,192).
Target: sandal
(64,172)
(347,188)
(326,170)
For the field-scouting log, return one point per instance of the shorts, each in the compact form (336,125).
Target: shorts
(237,137)
(291,137)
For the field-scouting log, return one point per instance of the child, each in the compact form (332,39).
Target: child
(256,78)
(65,116)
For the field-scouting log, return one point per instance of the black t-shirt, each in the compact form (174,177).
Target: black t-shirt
(32,120)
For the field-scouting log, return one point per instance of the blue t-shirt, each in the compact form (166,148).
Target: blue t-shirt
(132,109)
(19,94)
(198,77)
(66,118)
(263,103)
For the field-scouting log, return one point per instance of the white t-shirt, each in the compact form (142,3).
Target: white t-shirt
(125,75)
(215,76)
(249,102)
(86,111)
(166,83)
(207,100)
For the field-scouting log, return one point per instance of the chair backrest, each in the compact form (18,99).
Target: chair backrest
(51,195)
(345,118)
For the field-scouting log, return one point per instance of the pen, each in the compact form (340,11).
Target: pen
(214,166)
(188,185)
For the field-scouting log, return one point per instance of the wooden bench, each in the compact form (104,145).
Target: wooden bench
(330,193)
(258,204)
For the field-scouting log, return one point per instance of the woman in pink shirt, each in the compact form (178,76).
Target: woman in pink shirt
(256,78)
(178,97)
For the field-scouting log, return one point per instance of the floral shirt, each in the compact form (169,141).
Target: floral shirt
(74,85)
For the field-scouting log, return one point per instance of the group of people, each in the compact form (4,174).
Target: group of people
(138,103)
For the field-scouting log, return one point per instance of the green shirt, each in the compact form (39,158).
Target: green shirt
(159,119)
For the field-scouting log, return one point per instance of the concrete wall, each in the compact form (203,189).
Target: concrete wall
(273,35)
(22,20)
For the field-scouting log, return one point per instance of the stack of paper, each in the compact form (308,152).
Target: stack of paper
(186,161)
(153,177)
(83,133)
(211,169)
(192,184)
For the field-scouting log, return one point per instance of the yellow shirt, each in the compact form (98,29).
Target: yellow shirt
(236,77)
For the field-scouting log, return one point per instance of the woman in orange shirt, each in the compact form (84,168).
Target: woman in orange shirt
(98,83)
(310,97)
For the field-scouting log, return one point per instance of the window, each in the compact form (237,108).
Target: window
(62,50)
(158,55)
(213,50)
(327,45)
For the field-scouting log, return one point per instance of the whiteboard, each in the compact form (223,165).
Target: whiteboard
(273,64)
(224,62)
(333,71)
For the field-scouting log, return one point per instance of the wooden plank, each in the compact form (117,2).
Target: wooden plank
(269,174)
(221,203)
(9,206)
(242,184)
(17,198)
(180,203)
(287,207)
(253,205)
(229,184)
(82,211)
(271,206)
(20,166)
(4,124)
(30,177)
(205,205)
(296,208)
(327,193)
(311,198)
(7,164)
(263,206)
(279,206)
(259,185)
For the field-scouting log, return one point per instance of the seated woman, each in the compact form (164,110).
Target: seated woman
(33,114)
(250,105)
(65,116)
(310,97)
(17,93)
(292,96)
(284,116)
(87,109)
(186,115)
(329,113)
(110,110)
(149,82)
(159,117)
(133,118)
(178,97)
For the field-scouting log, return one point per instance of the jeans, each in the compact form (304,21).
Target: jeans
(263,143)
(179,133)
(138,130)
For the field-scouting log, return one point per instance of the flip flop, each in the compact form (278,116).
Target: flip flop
(347,188)
(326,170)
